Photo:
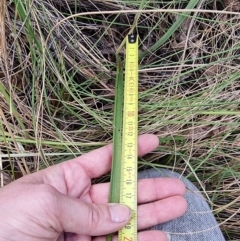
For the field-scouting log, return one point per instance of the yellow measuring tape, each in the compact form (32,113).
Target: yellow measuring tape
(128,193)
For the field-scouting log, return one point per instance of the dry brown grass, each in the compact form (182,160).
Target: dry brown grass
(57,96)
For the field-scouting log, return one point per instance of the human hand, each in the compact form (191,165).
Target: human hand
(60,203)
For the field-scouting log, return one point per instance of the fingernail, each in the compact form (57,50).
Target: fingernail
(168,236)
(120,213)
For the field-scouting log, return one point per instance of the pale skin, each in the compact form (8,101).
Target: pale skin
(60,203)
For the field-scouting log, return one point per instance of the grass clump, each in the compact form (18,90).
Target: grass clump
(58,68)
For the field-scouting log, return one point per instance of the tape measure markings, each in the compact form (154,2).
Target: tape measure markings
(128,194)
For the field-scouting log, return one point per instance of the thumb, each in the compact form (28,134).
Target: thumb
(84,218)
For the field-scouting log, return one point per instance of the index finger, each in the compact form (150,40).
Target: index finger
(98,162)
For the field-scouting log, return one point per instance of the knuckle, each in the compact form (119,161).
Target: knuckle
(49,202)
(94,217)
(47,195)
(45,190)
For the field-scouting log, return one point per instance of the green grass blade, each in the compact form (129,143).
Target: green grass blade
(12,107)
(117,137)
(170,31)
(114,195)
(21,10)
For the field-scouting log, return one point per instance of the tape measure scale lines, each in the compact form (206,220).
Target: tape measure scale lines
(128,193)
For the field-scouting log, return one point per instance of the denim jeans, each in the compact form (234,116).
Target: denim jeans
(198,223)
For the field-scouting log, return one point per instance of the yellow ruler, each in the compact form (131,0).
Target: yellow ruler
(128,193)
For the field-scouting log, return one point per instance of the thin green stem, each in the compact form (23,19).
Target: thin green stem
(170,31)
(114,195)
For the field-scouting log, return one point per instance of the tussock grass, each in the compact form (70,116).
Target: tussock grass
(58,81)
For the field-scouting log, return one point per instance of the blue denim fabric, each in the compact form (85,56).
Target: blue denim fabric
(198,223)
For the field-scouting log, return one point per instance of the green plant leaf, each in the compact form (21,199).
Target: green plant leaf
(170,31)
